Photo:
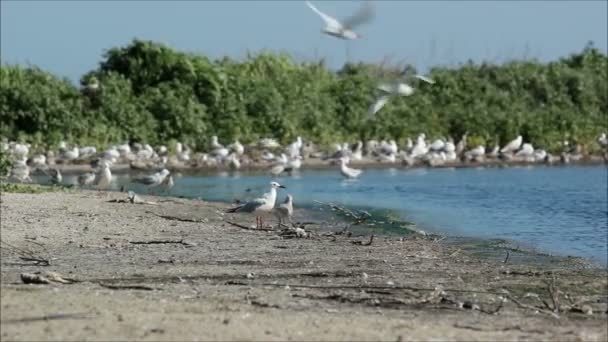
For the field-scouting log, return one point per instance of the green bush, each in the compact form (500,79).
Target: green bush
(151,93)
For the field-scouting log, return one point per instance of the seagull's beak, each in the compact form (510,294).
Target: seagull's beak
(282,187)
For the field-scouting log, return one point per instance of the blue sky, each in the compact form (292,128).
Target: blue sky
(68,38)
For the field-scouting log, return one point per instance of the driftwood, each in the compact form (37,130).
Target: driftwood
(50,317)
(175,218)
(127,287)
(160,242)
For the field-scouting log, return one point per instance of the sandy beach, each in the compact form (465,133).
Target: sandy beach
(176,269)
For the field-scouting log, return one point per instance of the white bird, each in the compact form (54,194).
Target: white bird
(56,177)
(215,144)
(39,161)
(87,151)
(526,150)
(105,175)
(344,29)
(347,171)
(237,147)
(168,183)
(437,145)
(86,179)
(294,164)
(277,169)
(357,154)
(269,143)
(261,205)
(477,152)
(540,155)
(152,180)
(395,89)
(285,210)
(512,146)
(233,162)
(603,140)
(70,154)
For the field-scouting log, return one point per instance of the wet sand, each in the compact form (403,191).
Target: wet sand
(177,270)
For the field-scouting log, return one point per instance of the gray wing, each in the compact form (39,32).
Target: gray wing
(251,206)
(145,180)
(363,15)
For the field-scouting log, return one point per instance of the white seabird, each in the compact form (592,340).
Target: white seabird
(512,146)
(344,29)
(285,210)
(347,171)
(261,205)
(153,180)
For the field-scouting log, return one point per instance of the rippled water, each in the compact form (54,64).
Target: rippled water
(559,210)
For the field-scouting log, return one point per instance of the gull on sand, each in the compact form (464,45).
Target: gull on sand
(261,205)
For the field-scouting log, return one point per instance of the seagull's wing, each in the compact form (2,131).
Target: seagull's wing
(148,180)
(363,15)
(329,21)
(380,102)
(425,79)
(251,206)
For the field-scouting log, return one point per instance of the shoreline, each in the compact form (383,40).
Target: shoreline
(328,164)
(177,270)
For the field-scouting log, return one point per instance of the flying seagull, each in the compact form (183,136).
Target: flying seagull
(395,89)
(344,29)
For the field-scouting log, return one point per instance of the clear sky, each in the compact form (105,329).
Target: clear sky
(68,38)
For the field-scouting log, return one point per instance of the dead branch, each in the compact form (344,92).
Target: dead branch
(530,307)
(158,242)
(25,255)
(50,317)
(127,287)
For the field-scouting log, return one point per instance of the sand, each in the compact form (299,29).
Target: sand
(211,280)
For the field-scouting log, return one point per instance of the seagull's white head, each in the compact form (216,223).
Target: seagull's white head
(165,172)
(276,185)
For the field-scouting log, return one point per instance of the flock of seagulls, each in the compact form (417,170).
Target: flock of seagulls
(267,152)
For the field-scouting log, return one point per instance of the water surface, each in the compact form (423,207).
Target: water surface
(558,210)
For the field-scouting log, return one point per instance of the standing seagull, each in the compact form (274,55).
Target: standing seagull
(285,210)
(260,205)
(394,89)
(105,176)
(86,178)
(153,180)
(343,30)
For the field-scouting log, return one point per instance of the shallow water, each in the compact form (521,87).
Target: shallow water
(558,210)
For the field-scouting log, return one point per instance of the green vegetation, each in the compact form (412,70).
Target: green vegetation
(151,93)
(30,188)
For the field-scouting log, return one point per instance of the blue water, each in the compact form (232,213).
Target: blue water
(558,210)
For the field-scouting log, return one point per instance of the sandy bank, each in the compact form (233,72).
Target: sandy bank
(178,271)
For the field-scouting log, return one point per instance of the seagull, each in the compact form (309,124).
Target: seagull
(153,180)
(344,29)
(168,183)
(285,210)
(512,146)
(86,178)
(395,89)
(259,205)
(347,171)
(105,176)
(56,177)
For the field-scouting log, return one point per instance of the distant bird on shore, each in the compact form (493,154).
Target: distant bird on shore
(512,146)
(347,171)
(260,206)
(168,183)
(285,210)
(344,29)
